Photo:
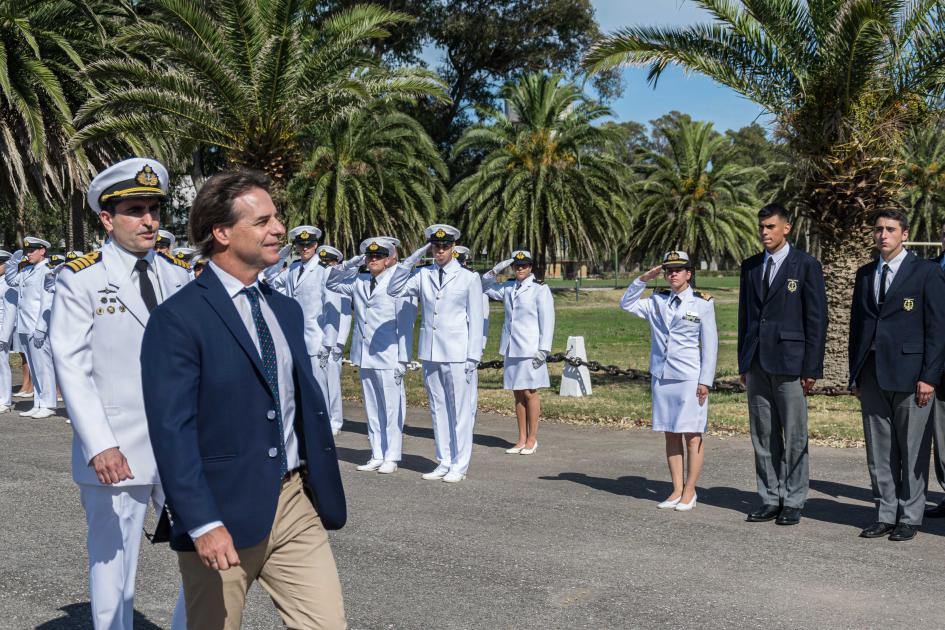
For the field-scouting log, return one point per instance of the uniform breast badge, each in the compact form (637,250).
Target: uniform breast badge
(692,316)
(908,304)
(792,285)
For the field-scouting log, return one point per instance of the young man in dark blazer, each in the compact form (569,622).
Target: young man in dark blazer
(897,348)
(782,330)
(938,416)
(240,430)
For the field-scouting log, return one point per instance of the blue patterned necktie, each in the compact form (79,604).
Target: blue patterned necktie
(267,350)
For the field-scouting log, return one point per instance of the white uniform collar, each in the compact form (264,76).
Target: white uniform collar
(232,284)
(449,267)
(128,259)
(685,295)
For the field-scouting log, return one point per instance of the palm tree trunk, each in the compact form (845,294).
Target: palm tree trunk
(76,228)
(842,255)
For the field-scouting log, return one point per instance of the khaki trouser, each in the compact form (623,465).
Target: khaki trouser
(294,564)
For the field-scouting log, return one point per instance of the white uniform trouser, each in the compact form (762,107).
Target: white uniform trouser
(115,517)
(333,383)
(40,362)
(6,380)
(450,406)
(385,419)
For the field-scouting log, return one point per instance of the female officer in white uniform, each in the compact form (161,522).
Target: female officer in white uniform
(682,365)
(527,332)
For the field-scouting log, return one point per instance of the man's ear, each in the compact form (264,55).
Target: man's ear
(222,234)
(787,228)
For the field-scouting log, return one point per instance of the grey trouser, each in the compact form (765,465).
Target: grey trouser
(777,416)
(938,434)
(898,439)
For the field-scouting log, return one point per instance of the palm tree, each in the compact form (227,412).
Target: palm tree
(546,180)
(249,77)
(694,197)
(843,79)
(42,46)
(922,169)
(371,172)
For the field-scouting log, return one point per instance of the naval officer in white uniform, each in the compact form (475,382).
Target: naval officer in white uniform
(8,299)
(336,325)
(30,282)
(450,345)
(102,304)
(384,326)
(683,351)
(527,333)
(164,242)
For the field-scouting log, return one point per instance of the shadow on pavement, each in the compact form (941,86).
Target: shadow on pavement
(741,501)
(79,617)
(408,462)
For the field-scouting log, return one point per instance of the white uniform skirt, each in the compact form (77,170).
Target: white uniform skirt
(519,374)
(676,408)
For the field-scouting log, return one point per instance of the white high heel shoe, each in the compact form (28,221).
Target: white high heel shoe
(515,450)
(669,504)
(687,507)
(529,451)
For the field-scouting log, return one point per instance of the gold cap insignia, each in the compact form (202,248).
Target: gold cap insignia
(908,304)
(147,177)
(520,256)
(303,234)
(374,247)
(673,256)
(440,233)
(180,255)
(323,254)
(455,254)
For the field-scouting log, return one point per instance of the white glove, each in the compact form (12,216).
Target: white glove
(353,263)
(49,282)
(39,337)
(284,252)
(502,266)
(471,367)
(539,359)
(4,346)
(16,257)
(416,256)
(399,373)
(336,353)
(323,355)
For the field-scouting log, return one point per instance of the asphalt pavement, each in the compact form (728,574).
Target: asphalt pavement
(567,538)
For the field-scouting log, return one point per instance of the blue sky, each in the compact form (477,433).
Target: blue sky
(695,95)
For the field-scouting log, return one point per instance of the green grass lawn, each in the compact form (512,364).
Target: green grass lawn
(612,336)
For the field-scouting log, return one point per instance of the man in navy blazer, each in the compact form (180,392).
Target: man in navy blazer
(938,416)
(240,430)
(782,331)
(897,349)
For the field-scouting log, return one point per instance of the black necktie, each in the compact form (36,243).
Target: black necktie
(145,286)
(299,274)
(373,285)
(441,276)
(675,302)
(882,284)
(767,279)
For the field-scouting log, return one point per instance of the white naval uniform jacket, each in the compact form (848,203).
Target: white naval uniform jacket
(336,315)
(451,327)
(308,290)
(684,342)
(98,321)
(529,316)
(8,301)
(383,324)
(30,282)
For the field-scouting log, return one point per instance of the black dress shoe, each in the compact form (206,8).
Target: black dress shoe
(936,512)
(764,513)
(903,531)
(789,516)
(877,530)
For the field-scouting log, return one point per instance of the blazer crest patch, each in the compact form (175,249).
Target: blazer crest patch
(792,285)
(908,304)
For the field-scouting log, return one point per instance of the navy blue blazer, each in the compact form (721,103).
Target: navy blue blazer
(788,330)
(207,404)
(908,332)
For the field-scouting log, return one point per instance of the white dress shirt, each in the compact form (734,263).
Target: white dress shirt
(130,260)
(234,288)
(777,258)
(894,265)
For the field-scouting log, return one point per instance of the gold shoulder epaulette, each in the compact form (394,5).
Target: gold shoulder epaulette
(177,261)
(703,295)
(84,262)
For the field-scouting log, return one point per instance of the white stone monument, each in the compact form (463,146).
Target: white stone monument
(576,381)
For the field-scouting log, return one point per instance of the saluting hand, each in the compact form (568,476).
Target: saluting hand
(923,393)
(652,273)
(702,394)
(111,466)
(215,549)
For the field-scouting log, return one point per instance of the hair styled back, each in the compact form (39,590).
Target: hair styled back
(213,206)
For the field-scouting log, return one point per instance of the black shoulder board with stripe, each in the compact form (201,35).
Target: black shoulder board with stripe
(666,291)
(703,295)
(177,261)
(84,262)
